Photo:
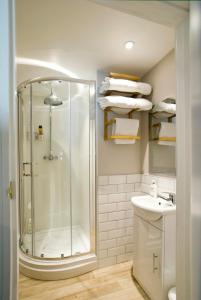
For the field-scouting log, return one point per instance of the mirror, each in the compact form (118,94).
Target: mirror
(162,138)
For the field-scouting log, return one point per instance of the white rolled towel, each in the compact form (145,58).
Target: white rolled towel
(165,107)
(128,103)
(167,130)
(123,85)
(125,127)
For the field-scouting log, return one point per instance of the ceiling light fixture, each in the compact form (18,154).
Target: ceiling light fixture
(129,45)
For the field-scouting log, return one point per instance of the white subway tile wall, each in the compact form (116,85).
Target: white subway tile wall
(164,184)
(115,218)
(115,213)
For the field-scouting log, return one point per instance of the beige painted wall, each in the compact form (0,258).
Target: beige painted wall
(162,77)
(117,159)
(163,80)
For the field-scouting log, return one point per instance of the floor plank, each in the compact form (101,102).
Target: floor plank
(113,282)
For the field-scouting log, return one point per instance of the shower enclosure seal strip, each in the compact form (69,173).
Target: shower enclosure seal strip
(70,181)
(31,171)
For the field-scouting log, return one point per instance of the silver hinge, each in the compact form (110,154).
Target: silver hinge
(154,262)
(10,191)
(24,164)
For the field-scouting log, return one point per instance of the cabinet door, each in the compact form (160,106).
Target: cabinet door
(147,258)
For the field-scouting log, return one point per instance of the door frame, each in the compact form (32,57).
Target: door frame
(183,155)
(188,61)
(8,209)
(8,206)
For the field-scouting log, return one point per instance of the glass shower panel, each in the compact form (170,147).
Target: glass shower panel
(56,156)
(80,165)
(51,168)
(24,117)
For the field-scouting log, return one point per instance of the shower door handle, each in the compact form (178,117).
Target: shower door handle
(155,268)
(24,168)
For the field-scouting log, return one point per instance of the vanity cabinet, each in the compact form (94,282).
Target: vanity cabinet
(154,260)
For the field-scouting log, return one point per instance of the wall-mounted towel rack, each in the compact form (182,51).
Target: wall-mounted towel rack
(166,139)
(164,111)
(156,115)
(125,94)
(124,76)
(162,115)
(122,94)
(155,136)
(108,122)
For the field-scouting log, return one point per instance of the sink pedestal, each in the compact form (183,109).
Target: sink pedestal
(154,260)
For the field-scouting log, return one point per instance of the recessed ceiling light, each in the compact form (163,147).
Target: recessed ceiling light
(129,45)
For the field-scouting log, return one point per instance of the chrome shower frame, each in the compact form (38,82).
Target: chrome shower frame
(92,154)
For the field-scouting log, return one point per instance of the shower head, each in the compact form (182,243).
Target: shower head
(52,100)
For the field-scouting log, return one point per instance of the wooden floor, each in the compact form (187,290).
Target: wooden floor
(111,283)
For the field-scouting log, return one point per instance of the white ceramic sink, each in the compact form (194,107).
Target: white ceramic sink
(151,208)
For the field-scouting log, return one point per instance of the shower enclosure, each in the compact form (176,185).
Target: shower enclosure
(56,137)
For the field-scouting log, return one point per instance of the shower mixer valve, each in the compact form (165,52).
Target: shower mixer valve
(52,100)
(51,157)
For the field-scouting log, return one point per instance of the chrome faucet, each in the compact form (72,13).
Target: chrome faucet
(171,197)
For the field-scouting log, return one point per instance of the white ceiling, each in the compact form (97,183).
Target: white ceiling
(180,4)
(80,34)
(169,13)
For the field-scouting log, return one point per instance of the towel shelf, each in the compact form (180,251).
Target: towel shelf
(157,127)
(126,137)
(125,94)
(166,139)
(162,138)
(163,115)
(154,128)
(112,121)
(124,76)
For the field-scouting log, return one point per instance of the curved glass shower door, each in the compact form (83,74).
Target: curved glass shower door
(25,153)
(80,167)
(55,145)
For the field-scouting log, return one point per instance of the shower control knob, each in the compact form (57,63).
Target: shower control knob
(61,156)
(51,157)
